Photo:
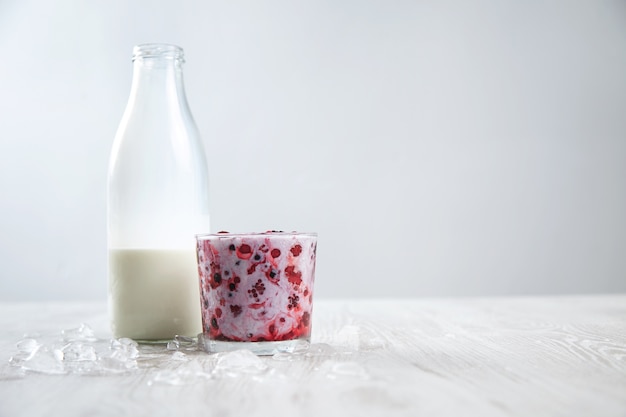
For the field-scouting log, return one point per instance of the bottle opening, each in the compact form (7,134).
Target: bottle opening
(158,50)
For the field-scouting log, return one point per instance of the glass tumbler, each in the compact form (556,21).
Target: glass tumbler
(256,290)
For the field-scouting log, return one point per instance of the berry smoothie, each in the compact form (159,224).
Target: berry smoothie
(256,287)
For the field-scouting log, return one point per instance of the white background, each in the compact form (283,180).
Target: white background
(439,148)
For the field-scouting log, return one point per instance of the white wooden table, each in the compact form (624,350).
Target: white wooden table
(535,356)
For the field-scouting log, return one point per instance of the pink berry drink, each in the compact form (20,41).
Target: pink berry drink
(256,290)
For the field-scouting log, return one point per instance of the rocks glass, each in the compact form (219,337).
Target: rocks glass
(256,290)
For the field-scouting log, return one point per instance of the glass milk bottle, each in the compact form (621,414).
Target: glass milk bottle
(157,203)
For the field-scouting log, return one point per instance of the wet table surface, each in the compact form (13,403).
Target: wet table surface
(540,356)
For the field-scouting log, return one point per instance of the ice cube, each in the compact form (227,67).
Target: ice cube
(181,372)
(83,332)
(45,360)
(78,351)
(239,361)
(26,349)
(109,364)
(122,356)
(124,348)
(27,345)
(173,345)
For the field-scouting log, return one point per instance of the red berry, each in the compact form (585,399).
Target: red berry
(296,250)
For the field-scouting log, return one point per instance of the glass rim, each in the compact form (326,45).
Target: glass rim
(269,233)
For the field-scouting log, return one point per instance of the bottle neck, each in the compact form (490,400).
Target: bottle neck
(158,78)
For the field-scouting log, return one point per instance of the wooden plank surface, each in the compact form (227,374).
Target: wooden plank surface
(540,356)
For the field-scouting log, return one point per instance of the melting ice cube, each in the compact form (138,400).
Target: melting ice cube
(82,332)
(240,361)
(78,351)
(45,360)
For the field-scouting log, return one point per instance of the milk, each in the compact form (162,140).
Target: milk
(154,294)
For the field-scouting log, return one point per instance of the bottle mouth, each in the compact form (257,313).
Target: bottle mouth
(158,50)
